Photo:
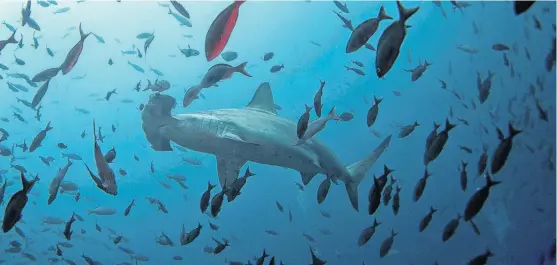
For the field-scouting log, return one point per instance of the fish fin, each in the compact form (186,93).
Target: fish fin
(512,131)
(263,99)
(382,14)
(404,13)
(359,170)
(332,114)
(11,39)
(228,170)
(156,114)
(500,134)
(81,34)
(25,183)
(306,177)
(242,69)
(96,179)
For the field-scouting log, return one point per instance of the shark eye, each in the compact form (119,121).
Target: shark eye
(378,70)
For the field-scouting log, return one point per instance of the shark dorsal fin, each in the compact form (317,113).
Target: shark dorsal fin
(263,99)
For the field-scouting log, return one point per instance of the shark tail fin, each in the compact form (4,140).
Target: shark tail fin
(157,113)
(359,170)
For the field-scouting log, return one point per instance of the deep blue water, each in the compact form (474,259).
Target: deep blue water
(517,223)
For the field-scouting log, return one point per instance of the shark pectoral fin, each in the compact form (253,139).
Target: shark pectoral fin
(236,138)
(228,170)
(306,177)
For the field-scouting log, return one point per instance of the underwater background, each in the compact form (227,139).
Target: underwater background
(517,223)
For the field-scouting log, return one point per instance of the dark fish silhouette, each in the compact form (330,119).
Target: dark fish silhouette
(521,6)
(40,94)
(74,53)
(477,201)
(388,47)
(504,149)
(364,31)
(424,223)
(367,233)
(16,204)
(204,202)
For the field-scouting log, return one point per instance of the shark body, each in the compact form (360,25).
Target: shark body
(254,133)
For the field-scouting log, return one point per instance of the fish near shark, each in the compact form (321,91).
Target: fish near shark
(390,41)
(74,53)
(254,133)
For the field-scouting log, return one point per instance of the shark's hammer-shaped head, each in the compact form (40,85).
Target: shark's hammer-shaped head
(196,131)
(155,115)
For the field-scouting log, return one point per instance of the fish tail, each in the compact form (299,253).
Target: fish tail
(404,13)
(81,34)
(448,125)
(25,183)
(382,14)
(489,182)
(377,101)
(210,186)
(387,170)
(242,69)
(332,114)
(249,173)
(512,131)
(48,127)
(12,38)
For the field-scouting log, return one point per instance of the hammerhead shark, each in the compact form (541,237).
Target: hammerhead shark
(254,133)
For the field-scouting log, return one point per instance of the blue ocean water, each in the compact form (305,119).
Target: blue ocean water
(517,222)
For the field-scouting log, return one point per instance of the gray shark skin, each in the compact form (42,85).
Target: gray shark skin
(254,133)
